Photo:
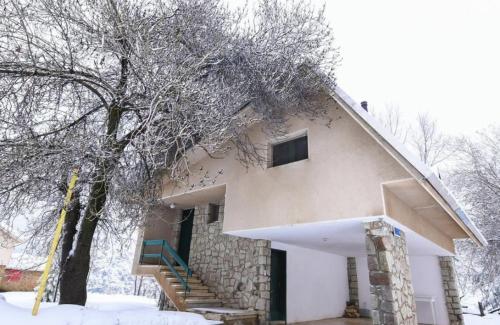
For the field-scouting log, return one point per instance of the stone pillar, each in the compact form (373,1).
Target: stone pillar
(393,299)
(352,278)
(451,293)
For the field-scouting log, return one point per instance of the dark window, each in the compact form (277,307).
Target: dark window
(290,151)
(213,213)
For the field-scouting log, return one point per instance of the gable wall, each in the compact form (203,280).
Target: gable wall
(341,178)
(6,248)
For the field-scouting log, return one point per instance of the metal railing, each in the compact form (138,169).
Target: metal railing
(165,247)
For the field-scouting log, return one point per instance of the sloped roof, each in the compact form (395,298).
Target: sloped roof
(13,238)
(427,175)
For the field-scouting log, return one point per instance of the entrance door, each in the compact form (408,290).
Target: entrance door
(278,285)
(186,234)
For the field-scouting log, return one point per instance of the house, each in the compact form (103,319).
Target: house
(341,213)
(18,272)
(7,244)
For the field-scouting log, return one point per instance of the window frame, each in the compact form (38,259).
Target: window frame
(286,138)
(210,215)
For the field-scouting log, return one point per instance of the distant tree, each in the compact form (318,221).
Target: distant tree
(123,89)
(422,137)
(433,146)
(476,178)
(394,123)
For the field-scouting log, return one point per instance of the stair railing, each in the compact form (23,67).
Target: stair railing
(165,246)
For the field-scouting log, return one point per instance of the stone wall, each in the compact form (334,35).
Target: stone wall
(392,295)
(352,278)
(451,292)
(237,269)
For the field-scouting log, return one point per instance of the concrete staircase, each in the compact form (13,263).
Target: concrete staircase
(198,297)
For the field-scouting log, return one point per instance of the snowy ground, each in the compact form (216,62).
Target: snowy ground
(472,308)
(15,308)
(486,320)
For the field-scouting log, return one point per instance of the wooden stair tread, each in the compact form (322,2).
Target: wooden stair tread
(178,268)
(173,275)
(175,280)
(183,274)
(162,269)
(202,301)
(197,294)
(193,286)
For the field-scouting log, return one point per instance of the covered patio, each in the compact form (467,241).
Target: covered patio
(319,281)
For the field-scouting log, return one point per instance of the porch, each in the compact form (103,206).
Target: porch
(325,265)
(319,280)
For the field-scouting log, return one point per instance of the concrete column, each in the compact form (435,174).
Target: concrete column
(451,293)
(392,295)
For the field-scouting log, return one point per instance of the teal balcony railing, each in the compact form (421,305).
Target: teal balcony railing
(162,258)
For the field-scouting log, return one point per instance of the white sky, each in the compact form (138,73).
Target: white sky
(435,56)
(441,57)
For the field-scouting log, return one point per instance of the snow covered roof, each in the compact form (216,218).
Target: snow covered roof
(425,171)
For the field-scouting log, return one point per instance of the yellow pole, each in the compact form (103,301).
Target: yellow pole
(55,241)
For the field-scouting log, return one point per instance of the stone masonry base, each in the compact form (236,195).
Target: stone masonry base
(451,293)
(352,279)
(237,269)
(393,299)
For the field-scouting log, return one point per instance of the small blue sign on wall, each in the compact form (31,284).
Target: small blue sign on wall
(397,232)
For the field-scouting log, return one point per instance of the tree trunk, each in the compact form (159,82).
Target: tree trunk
(72,218)
(76,271)
(74,277)
(69,233)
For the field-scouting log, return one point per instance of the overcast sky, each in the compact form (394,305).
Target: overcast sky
(441,57)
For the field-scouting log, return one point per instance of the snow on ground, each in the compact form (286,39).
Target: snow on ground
(15,308)
(470,306)
(478,320)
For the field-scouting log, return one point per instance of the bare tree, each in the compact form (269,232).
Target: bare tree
(433,147)
(423,138)
(392,120)
(123,89)
(476,177)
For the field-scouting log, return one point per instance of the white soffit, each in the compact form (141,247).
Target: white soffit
(189,199)
(343,237)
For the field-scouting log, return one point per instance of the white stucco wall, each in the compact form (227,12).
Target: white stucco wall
(5,254)
(316,284)
(426,279)
(363,283)
(6,249)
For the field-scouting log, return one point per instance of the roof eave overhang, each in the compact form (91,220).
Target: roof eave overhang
(414,166)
